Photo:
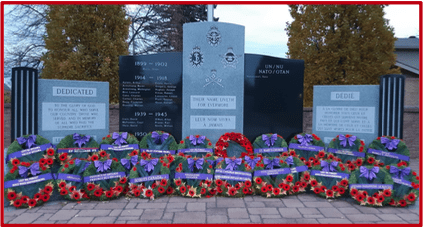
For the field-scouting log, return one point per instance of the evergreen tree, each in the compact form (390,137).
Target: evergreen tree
(341,44)
(84,42)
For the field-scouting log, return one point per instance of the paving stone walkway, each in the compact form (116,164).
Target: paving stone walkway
(303,208)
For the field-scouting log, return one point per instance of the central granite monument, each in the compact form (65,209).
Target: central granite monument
(213,79)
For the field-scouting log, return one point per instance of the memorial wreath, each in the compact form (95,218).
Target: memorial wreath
(119,145)
(405,187)
(387,150)
(347,149)
(280,176)
(196,146)
(330,179)
(233,176)
(104,178)
(233,145)
(194,177)
(31,148)
(158,143)
(309,148)
(69,179)
(371,186)
(76,146)
(269,145)
(28,184)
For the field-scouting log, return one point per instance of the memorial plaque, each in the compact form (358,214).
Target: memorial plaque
(150,94)
(346,109)
(67,106)
(213,79)
(273,96)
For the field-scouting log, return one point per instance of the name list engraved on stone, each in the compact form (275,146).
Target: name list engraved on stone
(345,119)
(345,96)
(75,91)
(213,102)
(212,122)
(73,116)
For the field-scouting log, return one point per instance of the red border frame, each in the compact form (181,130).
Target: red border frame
(228,2)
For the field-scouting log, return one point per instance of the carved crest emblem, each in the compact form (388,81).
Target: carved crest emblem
(230,58)
(196,57)
(213,36)
(213,79)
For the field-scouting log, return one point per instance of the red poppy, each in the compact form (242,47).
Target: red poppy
(32,202)
(77,196)
(248,183)
(281,185)
(178,182)
(358,162)
(344,182)
(109,194)
(219,189)
(276,191)
(24,199)
(316,162)
(362,143)
(321,154)
(170,158)
(245,190)
(17,203)
(307,177)
(387,167)
(351,166)
(117,188)
(72,188)
(50,161)
(37,196)
(402,203)
(102,153)
(387,192)
(335,188)
(48,189)
(90,187)
(360,197)
(303,184)
(154,185)
(292,153)
(258,180)
(191,193)
(202,191)
(232,191)
(295,188)
(323,188)
(375,195)
(169,190)
(392,202)
(317,190)
(286,187)
(50,152)
(163,182)
(370,160)
(94,158)
(289,178)
(414,173)
(98,192)
(330,193)
(371,200)
(264,189)
(115,159)
(183,189)
(66,165)
(45,197)
(269,187)
(411,197)
(11,195)
(314,183)
(380,199)
(341,191)
(123,180)
(136,192)
(15,161)
(361,149)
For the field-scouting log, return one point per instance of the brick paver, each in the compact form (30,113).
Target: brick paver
(303,208)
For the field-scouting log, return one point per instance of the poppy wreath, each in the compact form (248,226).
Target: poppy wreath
(194,177)
(150,178)
(371,186)
(405,187)
(76,146)
(348,149)
(388,150)
(69,180)
(309,148)
(330,179)
(31,148)
(104,179)
(30,185)
(269,145)
(233,145)
(119,145)
(158,143)
(233,176)
(280,176)
(195,145)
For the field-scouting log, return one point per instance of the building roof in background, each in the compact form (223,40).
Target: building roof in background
(407,51)
(6,87)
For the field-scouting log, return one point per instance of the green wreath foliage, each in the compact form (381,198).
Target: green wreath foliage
(259,143)
(194,188)
(106,189)
(68,142)
(73,190)
(305,155)
(151,189)
(330,187)
(186,144)
(147,142)
(381,160)
(30,195)
(404,195)
(233,188)
(371,197)
(282,184)
(350,161)
(131,139)
(44,155)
